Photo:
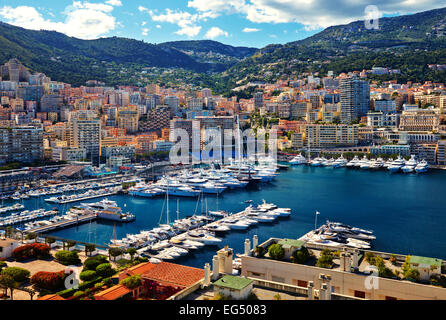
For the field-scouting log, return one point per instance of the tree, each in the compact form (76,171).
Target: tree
(276,252)
(132,252)
(48,280)
(115,252)
(50,240)
(89,248)
(325,260)
(260,251)
(132,282)
(300,256)
(67,257)
(105,270)
(8,282)
(277,297)
(18,274)
(93,262)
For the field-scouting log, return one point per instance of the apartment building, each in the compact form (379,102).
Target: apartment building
(21,144)
(325,136)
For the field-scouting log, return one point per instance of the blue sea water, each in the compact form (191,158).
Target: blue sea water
(406,211)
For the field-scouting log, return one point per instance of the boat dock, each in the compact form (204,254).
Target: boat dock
(63,224)
(88,198)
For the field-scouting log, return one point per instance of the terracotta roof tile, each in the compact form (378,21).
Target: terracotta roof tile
(113,293)
(51,297)
(174,274)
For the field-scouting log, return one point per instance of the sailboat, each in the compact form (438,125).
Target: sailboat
(218,213)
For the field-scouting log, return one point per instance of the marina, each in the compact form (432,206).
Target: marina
(412,165)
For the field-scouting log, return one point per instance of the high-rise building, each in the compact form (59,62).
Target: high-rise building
(22,144)
(85,133)
(258,100)
(355,99)
(128,118)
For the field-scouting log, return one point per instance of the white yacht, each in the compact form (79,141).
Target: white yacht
(422,167)
(396,165)
(340,162)
(410,165)
(298,160)
(203,236)
(353,162)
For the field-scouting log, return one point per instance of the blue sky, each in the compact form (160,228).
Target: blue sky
(255,23)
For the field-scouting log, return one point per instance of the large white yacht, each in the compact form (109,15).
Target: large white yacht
(422,167)
(410,165)
(298,160)
(353,162)
(396,165)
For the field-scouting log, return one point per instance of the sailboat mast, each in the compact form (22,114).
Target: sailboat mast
(167,204)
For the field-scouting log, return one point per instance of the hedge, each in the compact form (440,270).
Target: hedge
(88,275)
(68,257)
(48,280)
(19,274)
(31,251)
(83,286)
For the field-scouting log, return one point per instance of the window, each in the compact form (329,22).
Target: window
(277,279)
(360,294)
(391,298)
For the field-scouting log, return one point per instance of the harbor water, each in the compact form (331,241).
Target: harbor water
(405,211)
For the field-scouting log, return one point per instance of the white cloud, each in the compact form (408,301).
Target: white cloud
(143,24)
(215,32)
(115,3)
(83,20)
(158,26)
(311,13)
(187,22)
(251,30)
(190,31)
(143,9)
(145,31)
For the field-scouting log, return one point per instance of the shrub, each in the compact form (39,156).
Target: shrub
(2,265)
(132,282)
(67,257)
(276,252)
(31,251)
(48,280)
(105,270)
(18,274)
(78,294)
(300,256)
(88,275)
(260,251)
(93,262)
(325,260)
(277,297)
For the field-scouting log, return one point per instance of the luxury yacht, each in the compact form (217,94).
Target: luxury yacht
(396,165)
(410,165)
(353,162)
(340,162)
(422,167)
(298,160)
(203,236)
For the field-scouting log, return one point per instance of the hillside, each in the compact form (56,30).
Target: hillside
(75,61)
(209,51)
(405,42)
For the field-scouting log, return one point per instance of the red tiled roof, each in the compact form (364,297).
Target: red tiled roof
(51,297)
(113,293)
(174,274)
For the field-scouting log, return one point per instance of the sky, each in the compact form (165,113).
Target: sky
(252,23)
